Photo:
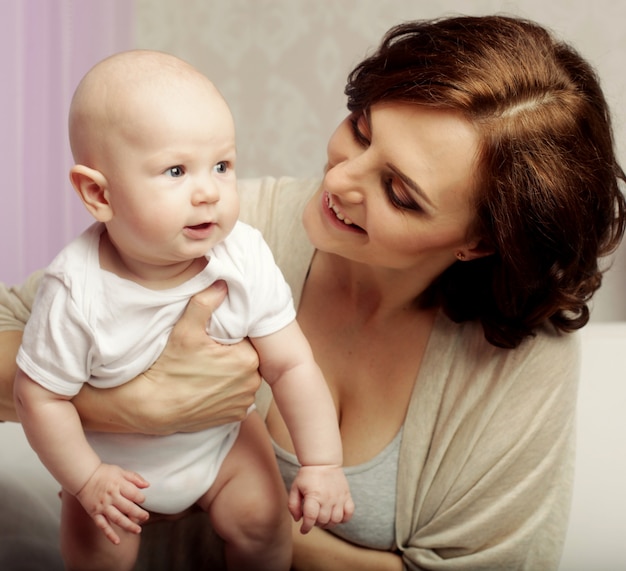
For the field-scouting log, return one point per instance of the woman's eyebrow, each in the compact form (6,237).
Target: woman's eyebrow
(409,182)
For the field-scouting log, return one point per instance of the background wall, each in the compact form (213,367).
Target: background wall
(45,48)
(282,65)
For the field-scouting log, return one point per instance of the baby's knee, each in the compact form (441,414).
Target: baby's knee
(256,518)
(263,511)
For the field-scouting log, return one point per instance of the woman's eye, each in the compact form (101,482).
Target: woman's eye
(399,198)
(360,129)
(221,167)
(175,172)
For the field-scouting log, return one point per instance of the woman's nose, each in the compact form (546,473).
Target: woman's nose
(345,179)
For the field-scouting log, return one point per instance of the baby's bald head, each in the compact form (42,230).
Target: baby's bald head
(124,93)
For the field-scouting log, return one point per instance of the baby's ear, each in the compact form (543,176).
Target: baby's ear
(93,189)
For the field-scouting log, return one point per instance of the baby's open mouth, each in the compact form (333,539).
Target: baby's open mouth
(202,226)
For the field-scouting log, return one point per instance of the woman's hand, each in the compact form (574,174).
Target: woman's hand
(195,383)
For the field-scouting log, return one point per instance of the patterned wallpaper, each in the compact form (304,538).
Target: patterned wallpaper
(282,64)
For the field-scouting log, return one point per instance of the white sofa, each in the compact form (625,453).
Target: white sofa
(596,540)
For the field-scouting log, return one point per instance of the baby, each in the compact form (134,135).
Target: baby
(154,146)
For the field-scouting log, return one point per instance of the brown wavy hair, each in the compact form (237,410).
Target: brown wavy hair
(548,200)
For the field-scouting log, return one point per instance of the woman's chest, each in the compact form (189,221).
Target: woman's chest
(371,381)
(371,369)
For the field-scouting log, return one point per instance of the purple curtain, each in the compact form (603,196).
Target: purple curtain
(45,48)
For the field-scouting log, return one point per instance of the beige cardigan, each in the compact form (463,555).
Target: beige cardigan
(486,460)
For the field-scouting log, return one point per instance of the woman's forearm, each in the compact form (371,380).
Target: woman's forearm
(319,550)
(107,410)
(9,344)
(194,384)
(161,402)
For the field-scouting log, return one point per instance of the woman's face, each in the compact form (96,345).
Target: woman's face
(397,192)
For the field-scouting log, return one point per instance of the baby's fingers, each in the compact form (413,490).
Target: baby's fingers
(132,492)
(127,520)
(340,513)
(136,479)
(294,503)
(133,512)
(348,511)
(310,514)
(103,524)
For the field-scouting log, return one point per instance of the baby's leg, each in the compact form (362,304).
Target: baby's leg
(248,503)
(85,548)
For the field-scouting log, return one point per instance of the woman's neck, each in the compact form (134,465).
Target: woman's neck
(373,292)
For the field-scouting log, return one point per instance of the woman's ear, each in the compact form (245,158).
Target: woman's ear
(474,250)
(93,189)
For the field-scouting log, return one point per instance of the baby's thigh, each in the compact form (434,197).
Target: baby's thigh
(248,489)
(84,546)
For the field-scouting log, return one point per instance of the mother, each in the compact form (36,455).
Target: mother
(453,245)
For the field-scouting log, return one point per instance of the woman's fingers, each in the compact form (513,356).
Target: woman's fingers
(200,308)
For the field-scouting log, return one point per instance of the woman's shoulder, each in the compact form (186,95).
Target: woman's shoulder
(544,365)
(275,206)
(546,344)
(269,203)
(16,302)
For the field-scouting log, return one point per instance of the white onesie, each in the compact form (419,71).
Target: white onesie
(89,325)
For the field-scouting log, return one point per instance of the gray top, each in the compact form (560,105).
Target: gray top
(373,488)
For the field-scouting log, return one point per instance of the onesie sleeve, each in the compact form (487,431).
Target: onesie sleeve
(489,481)
(57,345)
(271,301)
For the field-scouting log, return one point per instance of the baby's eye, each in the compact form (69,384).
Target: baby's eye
(176,171)
(221,167)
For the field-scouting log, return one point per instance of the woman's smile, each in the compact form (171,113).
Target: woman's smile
(335,213)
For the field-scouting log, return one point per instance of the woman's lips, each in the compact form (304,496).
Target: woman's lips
(334,211)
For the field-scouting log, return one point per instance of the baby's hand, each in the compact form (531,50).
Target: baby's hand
(111,496)
(320,495)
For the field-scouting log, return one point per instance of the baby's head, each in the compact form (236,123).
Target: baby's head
(154,146)
(128,96)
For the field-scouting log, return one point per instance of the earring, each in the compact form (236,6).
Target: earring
(460,256)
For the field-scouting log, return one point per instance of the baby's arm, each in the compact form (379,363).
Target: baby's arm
(52,425)
(320,493)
